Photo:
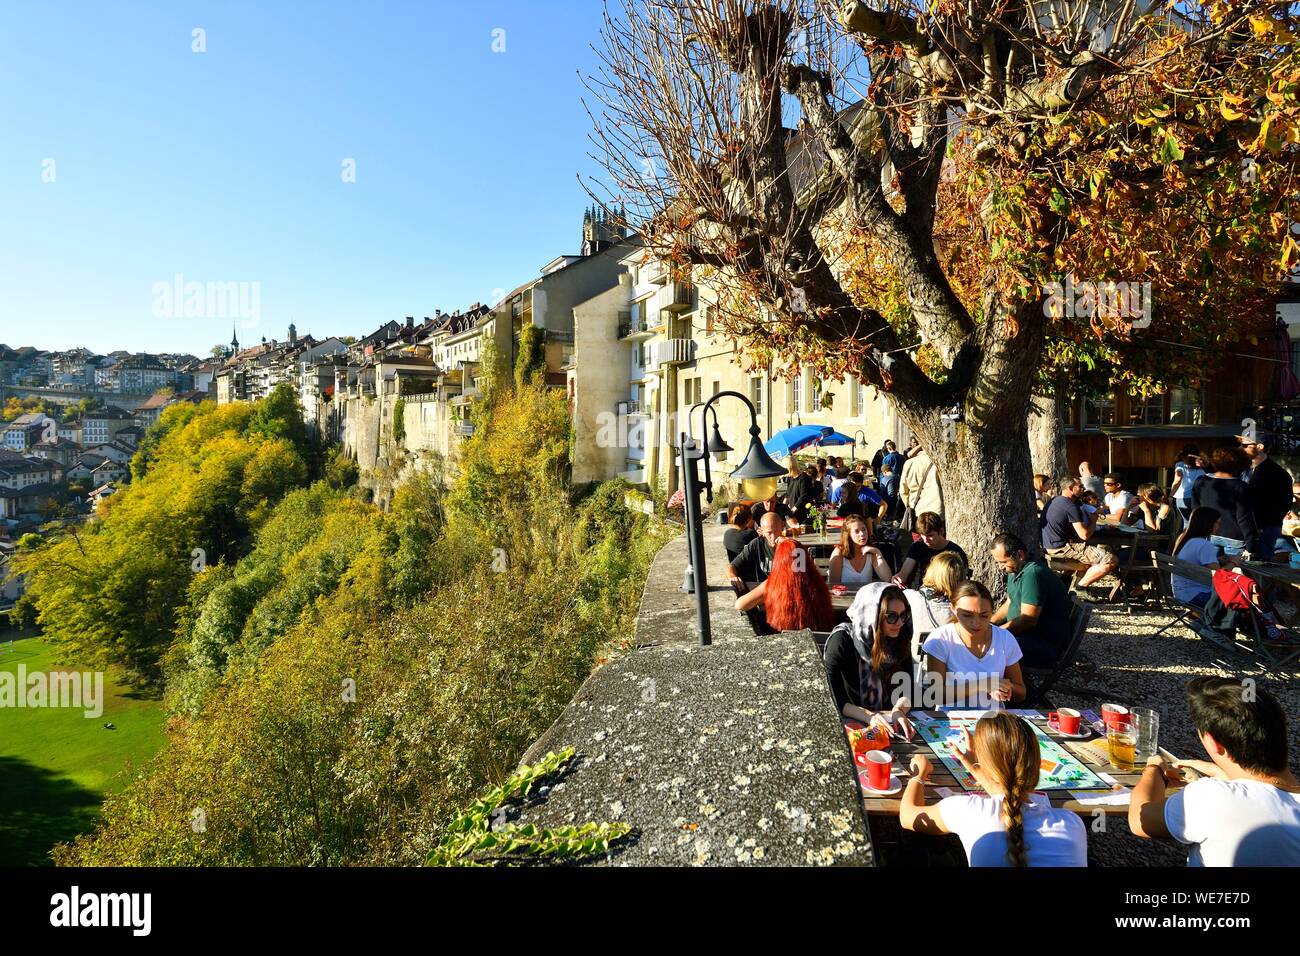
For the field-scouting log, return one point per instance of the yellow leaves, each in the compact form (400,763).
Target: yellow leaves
(1264,26)
(1229,107)
(1289,249)
(1261,141)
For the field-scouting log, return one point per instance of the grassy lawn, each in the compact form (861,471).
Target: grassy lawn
(56,764)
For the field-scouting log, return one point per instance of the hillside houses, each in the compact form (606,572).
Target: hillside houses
(26,430)
(631,347)
(81,370)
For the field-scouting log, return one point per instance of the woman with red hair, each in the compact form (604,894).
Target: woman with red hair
(795,595)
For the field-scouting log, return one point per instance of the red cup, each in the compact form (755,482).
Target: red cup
(1115,716)
(1065,720)
(880,763)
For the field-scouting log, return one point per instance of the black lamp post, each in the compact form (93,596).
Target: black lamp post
(757,473)
(855,443)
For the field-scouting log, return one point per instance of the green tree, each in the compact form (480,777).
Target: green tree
(530,363)
(206,482)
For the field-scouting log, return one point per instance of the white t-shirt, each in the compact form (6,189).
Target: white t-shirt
(1195,551)
(1120,502)
(1052,837)
(977,673)
(1235,823)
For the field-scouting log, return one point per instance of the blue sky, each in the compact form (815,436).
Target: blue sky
(226,165)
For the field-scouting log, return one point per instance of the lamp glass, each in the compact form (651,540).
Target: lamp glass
(758,489)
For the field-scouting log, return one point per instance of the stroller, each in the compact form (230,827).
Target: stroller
(1237,606)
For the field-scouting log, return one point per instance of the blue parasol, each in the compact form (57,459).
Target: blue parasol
(790,441)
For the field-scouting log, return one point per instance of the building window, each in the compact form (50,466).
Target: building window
(1186,406)
(756,392)
(796,393)
(693,391)
(814,393)
(1099,411)
(717,387)
(1069,408)
(1146,411)
(708,318)
(860,396)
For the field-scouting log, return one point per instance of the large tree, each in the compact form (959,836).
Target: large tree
(890,190)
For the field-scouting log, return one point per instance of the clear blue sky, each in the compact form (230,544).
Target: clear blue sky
(225,166)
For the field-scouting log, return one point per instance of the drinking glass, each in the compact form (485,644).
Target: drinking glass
(1146,732)
(1121,746)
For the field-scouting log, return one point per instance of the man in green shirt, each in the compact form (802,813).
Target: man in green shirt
(1037,608)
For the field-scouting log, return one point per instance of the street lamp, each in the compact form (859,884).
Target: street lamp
(757,474)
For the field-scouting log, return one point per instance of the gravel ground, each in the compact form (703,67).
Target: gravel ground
(1122,660)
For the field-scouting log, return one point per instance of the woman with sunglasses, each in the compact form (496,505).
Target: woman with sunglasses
(977,661)
(869,660)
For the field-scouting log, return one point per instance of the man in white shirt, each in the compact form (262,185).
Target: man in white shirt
(1245,809)
(1118,501)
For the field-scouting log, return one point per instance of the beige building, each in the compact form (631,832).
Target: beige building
(648,349)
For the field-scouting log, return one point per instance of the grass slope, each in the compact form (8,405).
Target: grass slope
(56,764)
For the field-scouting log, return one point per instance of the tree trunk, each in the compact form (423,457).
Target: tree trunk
(983,460)
(988,489)
(1046,440)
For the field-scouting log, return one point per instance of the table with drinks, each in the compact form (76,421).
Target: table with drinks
(1115,750)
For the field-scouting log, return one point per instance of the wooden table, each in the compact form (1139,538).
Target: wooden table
(940,776)
(842,602)
(1278,573)
(1140,543)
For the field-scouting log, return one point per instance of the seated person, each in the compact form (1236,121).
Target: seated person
(1194,547)
(740,532)
(777,507)
(934,539)
(978,661)
(1009,824)
(1245,809)
(754,563)
(855,561)
(1037,608)
(850,501)
(1042,493)
(931,604)
(1151,512)
(1118,501)
(794,596)
(1066,532)
(869,659)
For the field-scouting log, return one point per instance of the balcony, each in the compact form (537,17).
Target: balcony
(633,327)
(672,352)
(678,297)
(463,428)
(632,408)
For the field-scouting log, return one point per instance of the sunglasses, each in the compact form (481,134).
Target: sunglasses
(893,617)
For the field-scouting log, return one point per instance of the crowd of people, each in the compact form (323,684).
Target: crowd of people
(917,613)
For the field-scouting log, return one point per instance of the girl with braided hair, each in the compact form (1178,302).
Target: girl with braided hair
(1009,824)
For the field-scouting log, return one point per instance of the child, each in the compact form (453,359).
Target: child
(1245,811)
(1012,826)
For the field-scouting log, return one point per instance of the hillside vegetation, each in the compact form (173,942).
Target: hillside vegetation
(340,679)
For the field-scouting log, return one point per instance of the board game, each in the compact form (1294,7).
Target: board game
(1060,769)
